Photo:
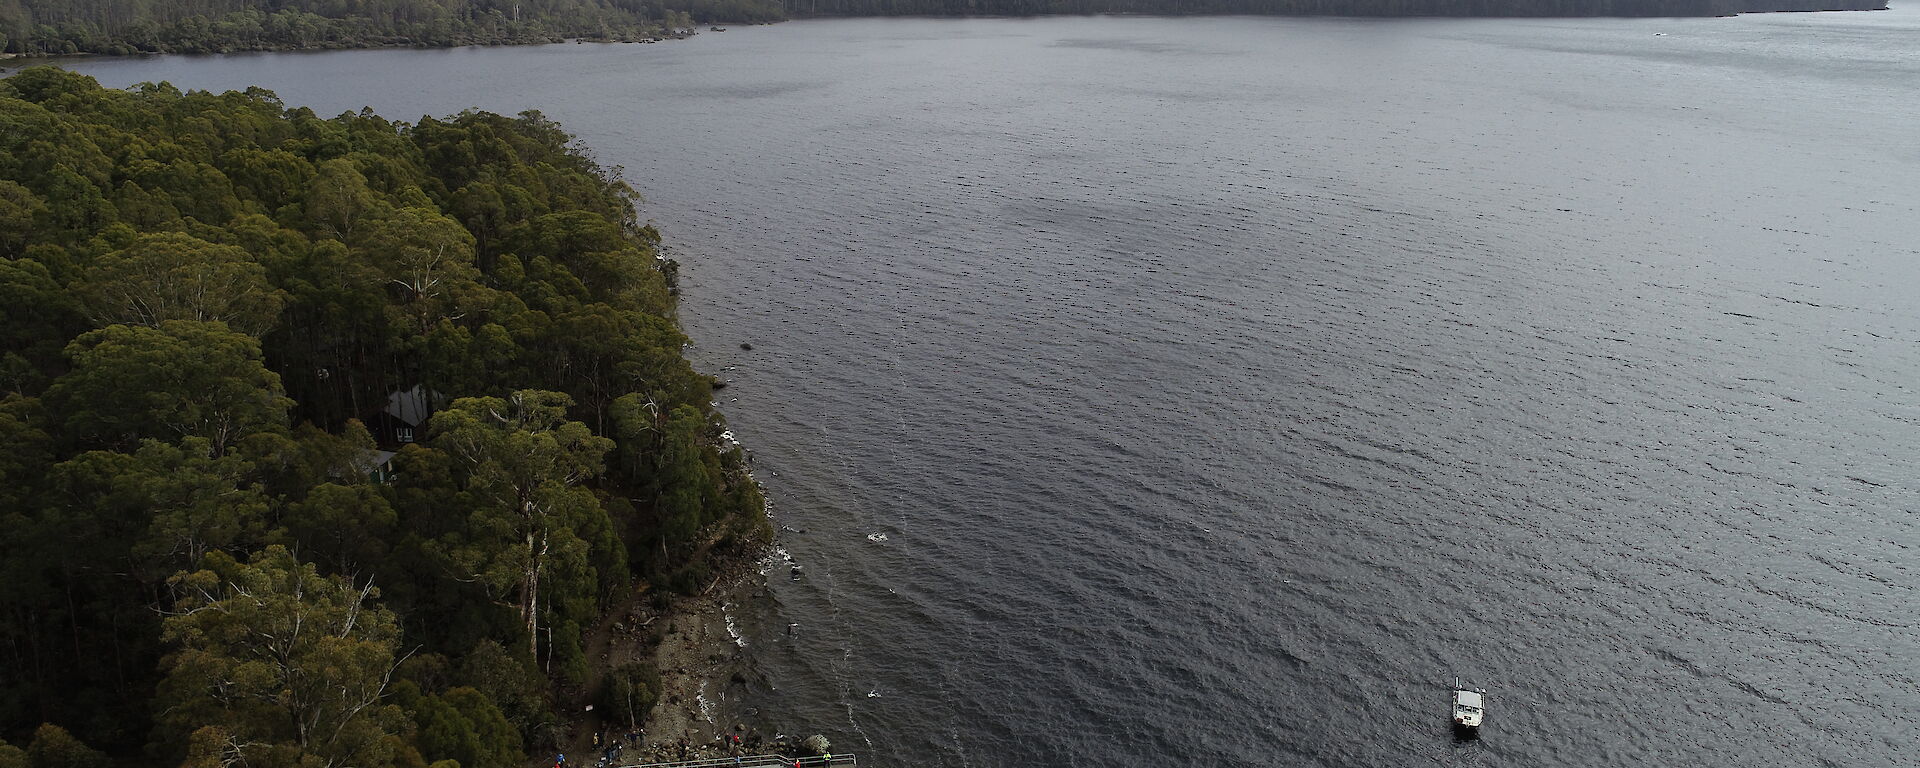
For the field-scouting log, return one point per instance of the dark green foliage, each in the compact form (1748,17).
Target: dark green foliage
(465,725)
(569,655)
(347,528)
(176,276)
(684,477)
(206,302)
(509,681)
(629,693)
(37,317)
(19,207)
(182,379)
(1315,7)
(122,27)
(518,467)
(53,747)
(290,664)
(218,26)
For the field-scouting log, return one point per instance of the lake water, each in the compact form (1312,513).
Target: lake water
(1226,389)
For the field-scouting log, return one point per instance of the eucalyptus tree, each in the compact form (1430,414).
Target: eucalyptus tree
(520,464)
(182,378)
(275,664)
(201,298)
(176,276)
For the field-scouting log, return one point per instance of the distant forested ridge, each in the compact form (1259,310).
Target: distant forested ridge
(54,27)
(329,441)
(43,27)
(1319,7)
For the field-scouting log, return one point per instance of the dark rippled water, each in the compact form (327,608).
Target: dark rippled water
(1225,389)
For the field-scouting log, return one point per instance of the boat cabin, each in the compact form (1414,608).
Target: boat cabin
(1468,710)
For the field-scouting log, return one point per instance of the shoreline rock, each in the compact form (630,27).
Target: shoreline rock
(690,644)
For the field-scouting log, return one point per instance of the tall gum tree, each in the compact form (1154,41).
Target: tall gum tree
(176,276)
(181,379)
(425,259)
(290,667)
(521,463)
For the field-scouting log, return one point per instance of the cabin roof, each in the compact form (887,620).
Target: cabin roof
(369,461)
(1467,699)
(413,406)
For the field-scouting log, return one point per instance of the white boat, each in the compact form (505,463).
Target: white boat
(1469,710)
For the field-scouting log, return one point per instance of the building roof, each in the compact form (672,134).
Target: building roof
(369,461)
(413,406)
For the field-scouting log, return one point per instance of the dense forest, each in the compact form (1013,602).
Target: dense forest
(328,440)
(1319,7)
(40,27)
(43,27)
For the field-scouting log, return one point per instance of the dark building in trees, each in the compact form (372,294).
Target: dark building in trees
(404,419)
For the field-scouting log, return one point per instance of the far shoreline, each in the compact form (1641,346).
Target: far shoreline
(30,59)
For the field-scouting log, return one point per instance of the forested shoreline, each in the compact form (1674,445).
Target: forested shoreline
(125,27)
(1496,8)
(328,440)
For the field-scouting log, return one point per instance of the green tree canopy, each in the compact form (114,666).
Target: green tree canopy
(181,379)
(465,725)
(348,528)
(520,464)
(19,207)
(211,307)
(293,666)
(175,276)
(184,500)
(629,693)
(53,747)
(425,261)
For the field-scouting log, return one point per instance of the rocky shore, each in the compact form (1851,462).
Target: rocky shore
(698,653)
(697,658)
